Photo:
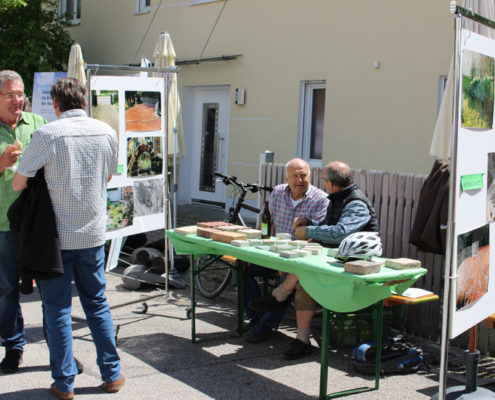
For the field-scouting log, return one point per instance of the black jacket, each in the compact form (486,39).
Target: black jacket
(31,216)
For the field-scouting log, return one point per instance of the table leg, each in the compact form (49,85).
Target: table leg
(325,339)
(193,299)
(378,322)
(240,297)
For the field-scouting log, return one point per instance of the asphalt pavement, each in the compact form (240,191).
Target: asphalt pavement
(160,361)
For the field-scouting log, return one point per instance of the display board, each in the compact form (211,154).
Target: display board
(472,293)
(135,108)
(42,103)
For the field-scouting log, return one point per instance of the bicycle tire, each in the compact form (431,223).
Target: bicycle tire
(214,276)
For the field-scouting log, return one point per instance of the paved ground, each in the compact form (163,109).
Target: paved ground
(160,361)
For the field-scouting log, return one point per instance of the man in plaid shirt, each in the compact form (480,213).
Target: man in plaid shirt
(296,198)
(79,156)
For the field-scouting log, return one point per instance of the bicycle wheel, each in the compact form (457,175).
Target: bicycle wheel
(213,276)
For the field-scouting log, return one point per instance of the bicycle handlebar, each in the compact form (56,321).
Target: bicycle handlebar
(232,180)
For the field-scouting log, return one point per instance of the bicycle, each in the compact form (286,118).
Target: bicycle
(215,271)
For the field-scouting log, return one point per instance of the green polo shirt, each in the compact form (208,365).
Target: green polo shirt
(25,127)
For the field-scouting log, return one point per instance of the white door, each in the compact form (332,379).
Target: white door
(206,115)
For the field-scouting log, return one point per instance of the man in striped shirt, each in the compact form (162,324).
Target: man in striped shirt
(296,198)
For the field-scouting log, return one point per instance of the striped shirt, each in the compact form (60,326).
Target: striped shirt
(78,154)
(25,127)
(313,206)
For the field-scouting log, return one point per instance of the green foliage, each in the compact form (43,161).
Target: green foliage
(7,4)
(33,39)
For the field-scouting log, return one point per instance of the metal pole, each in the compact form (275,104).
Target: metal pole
(97,67)
(166,205)
(451,222)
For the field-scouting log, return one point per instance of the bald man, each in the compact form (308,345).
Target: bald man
(349,211)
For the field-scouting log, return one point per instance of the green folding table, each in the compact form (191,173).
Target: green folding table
(323,277)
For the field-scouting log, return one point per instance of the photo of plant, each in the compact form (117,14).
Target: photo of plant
(120,207)
(473,266)
(144,156)
(477,90)
(148,197)
(143,111)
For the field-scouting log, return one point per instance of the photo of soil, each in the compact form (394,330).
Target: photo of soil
(120,207)
(148,197)
(144,156)
(478,73)
(473,266)
(143,111)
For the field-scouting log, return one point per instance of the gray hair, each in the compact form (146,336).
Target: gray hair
(9,76)
(339,174)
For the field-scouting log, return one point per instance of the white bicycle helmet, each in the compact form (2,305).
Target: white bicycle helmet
(360,245)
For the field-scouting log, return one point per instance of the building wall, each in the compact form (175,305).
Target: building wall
(374,119)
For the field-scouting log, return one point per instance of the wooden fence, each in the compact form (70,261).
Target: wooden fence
(395,197)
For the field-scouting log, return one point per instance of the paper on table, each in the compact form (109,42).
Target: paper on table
(414,293)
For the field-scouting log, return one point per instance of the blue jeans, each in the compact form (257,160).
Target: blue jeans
(86,267)
(11,321)
(252,291)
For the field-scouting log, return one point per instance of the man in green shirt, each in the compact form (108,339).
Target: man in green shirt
(16,128)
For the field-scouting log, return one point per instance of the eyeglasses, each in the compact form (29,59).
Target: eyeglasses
(12,96)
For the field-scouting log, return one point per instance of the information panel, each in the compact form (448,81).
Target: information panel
(473,283)
(135,108)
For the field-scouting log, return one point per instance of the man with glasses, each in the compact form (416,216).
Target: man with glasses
(349,211)
(16,127)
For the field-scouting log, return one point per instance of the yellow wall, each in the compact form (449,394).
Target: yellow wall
(375,118)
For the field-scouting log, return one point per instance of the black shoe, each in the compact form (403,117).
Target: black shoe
(12,360)
(258,333)
(79,366)
(297,349)
(267,303)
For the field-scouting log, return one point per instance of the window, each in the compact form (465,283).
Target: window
(312,115)
(72,7)
(143,6)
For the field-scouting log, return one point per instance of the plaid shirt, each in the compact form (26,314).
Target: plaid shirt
(25,127)
(313,206)
(79,154)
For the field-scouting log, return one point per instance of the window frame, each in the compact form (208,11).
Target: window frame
(306,119)
(76,16)
(141,7)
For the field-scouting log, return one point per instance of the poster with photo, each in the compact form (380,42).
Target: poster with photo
(120,207)
(144,156)
(477,90)
(142,141)
(472,289)
(143,111)
(148,196)
(473,266)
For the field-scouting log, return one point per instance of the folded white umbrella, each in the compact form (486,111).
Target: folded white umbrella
(76,64)
(164,56)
